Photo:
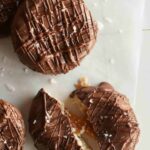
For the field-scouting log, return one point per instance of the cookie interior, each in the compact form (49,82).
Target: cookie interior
(83,129)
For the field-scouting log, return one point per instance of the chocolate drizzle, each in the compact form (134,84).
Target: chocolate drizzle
(7,10)
(49,126)
(53,36)
(111,116)
(12,130)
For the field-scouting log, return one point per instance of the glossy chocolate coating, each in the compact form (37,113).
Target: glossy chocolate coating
(49,126)
(111,117)
(53,36)
(12,130)
(7,11)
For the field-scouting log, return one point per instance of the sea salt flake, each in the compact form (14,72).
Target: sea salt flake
(47,118)
(5,142)
(91,101)
(34,122)
(106,135)
(37,45)
(109,140)
(74,29)
(32,31)
(125,113)
(65,136)
(64,9)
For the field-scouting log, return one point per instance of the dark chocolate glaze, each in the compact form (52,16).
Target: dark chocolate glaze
(49,126)
(111,117)
(12,129)
(53,36)
(7,11)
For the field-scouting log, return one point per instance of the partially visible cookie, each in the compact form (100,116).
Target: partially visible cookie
(12,129)
(50,126)
(7,11)
(53,36)
(110,115)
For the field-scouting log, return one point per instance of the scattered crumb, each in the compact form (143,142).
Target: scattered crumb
(82,82)
(5,142)
(26,70)
(100,25)
(10,88)
(52,81)
(111,61)
(108,20)
(95,4)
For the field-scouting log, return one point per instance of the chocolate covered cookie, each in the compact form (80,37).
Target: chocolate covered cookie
(50,126)
(7,11)
(110,115)
(53,36)
(12,129)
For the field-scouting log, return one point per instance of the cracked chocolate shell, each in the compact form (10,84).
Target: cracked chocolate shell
(53,36)
(12,129)
(7,11)
(110,115)
(50,126)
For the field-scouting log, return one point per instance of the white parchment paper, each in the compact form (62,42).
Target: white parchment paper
(115,59)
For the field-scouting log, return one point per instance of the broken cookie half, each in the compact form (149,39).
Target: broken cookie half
(109,114)
(94,118)
(50,126)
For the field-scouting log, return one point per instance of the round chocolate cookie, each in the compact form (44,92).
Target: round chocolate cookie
(7,10)
(12,130)
(53,36)
(111,116)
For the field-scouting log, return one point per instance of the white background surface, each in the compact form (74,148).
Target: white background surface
(117,51)
(143,90)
